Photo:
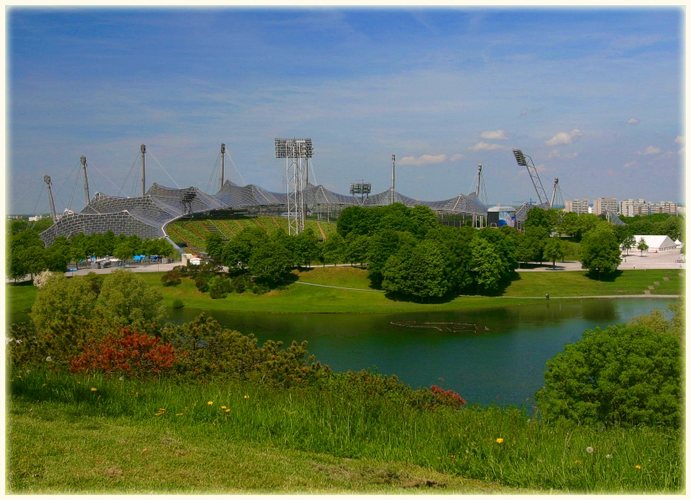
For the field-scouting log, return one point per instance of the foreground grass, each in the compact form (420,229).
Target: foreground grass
(161,436)
(346,290)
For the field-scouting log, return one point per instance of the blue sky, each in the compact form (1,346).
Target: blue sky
(594,96)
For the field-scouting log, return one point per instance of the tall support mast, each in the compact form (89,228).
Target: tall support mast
(223,163)
(53,213)
(554,192)
(393,179)
(86,180)
(296,153)
(143,150)
(534,177)
(479,181)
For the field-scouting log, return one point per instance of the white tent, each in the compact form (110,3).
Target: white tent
(678,243)
(655,242)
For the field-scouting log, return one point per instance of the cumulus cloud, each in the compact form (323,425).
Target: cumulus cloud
(494,135)
(650,150)
(564,137)
(555,153)
(428,159)
(486,146)
(633,121)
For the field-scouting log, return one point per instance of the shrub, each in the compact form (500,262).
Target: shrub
(172,278)
(219,287)
(178,304)
(624,374)
(131,353)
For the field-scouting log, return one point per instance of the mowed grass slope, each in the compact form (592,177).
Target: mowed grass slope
(194,232)
(346,290)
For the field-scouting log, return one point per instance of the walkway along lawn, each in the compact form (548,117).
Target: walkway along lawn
(346,290)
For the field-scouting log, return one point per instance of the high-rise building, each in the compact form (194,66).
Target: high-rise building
(631,208)
(602,205)
(576,206)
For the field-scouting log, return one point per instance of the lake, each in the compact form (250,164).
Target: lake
(493,356)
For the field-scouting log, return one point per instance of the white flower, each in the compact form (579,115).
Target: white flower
(590,449)
(48,359)
(608,456)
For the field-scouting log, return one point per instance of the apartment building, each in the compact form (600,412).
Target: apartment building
(603,205)
(577,206)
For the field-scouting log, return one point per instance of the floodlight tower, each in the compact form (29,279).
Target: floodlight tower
(534,177)
(86,179)
(296,153)
(53,213)
(142,148)
(223,162)
(393,179)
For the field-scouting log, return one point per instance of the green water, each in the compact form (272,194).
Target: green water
(494,356)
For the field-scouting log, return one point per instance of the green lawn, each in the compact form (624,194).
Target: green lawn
(339,296)
(129,436)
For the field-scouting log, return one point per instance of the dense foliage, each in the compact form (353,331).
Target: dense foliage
(27,254)
(622,375)
(600,252)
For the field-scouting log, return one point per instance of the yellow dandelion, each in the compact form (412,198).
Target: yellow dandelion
(246,396)
(93,389)
(638,466)
(179,414)
(500,440)
(227,410)
(210,403)
(223,407)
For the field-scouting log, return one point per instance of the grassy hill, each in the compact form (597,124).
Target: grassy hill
(194,232)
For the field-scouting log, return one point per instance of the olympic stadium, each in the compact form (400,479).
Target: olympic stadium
(147,215)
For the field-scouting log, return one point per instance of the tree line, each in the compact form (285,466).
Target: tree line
(28,255)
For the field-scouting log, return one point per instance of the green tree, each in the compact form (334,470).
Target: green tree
(554,250)
(333,249)
(486,265)
(238,251)
(356,248)
(642,246)
(383,245)
(270,264)
(419,273)
(622,375)
(126,300)
(306,247)
(214,246)
(599,252)
(62,317)
(628,243)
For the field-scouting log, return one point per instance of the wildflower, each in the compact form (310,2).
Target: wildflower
(227,410)
(49,359)
(93,389)
(500,440)
(210,403)
(608,456)
(638,466)
(246,396)
(160,412)
(590,449)
(223,407)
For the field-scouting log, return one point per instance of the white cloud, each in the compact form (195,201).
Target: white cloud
(633,121)
(680,140)
(555,153)
(564,137)
(428,159)
(650,150)
(485,146)
(496,135)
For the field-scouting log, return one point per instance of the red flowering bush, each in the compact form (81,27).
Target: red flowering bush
(130,353)
(448,397)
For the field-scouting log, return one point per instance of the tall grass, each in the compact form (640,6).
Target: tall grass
(345,420)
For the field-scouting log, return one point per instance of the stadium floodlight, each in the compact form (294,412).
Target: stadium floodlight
(520,157)
(293,148)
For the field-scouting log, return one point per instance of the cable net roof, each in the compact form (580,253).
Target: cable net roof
(147,215)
